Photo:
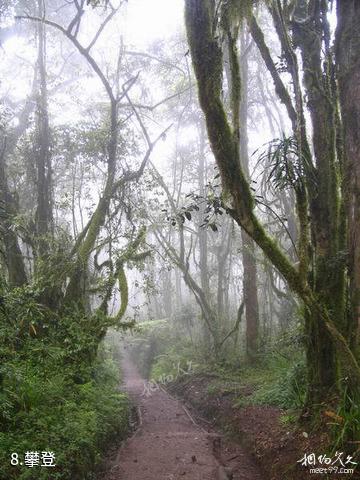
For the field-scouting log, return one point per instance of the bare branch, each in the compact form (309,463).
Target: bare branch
(153,107)
(280,88)
(236,326)
(79,47)
(127,86)
(102,26)
(157,59)
(141,123)
(131,176)
(75,22)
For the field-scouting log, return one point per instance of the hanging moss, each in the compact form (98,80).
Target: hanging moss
(124,294)
(235,11)
(128,255)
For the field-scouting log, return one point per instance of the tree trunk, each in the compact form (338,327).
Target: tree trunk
(12,254)
(167,293)
(43,217)
(203,234)
(77,286)
(329,268)
(348,55)
(250,290)
(250,297)
(224,139)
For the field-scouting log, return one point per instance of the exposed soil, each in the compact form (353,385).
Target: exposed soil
(276,447)
(170,445)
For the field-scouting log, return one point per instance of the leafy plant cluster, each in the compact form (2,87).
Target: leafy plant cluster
(58,390)
(283,384)
(161,351)
(209,206)
(277,379)
(345,424)
(285,166)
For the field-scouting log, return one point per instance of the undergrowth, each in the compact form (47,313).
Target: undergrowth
(160,355)
(55,394)
(280,382)
(277,378)
(345,424)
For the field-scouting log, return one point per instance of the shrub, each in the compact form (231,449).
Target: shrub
(55,394)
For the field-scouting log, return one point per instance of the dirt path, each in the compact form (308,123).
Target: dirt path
(168,445)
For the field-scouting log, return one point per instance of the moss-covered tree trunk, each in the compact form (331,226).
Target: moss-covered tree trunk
(77,286)
(42,154)
(13,258)
(322,291)
(348,70)
(250,289)
(14,262)
(311,34)
(203,234)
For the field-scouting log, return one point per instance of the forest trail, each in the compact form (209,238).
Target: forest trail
(169,444)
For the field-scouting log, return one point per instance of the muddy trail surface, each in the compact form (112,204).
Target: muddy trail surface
(170,444)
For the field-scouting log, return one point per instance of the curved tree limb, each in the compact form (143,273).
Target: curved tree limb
(208,66)
(83,50)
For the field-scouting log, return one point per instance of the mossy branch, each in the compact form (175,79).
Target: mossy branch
(208,64)
(280,89)
(207,61)
(84,51)
(124,294)
(129,254)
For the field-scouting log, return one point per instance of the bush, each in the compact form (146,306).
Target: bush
(277,381)
(45,410)
(160,352)
(345,425)
(174,362)
(289,388)
(55,393)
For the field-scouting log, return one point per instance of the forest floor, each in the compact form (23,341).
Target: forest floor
(169,444)
(262,430)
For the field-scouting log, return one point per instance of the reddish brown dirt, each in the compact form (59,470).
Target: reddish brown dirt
(169,445)
(276,447)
